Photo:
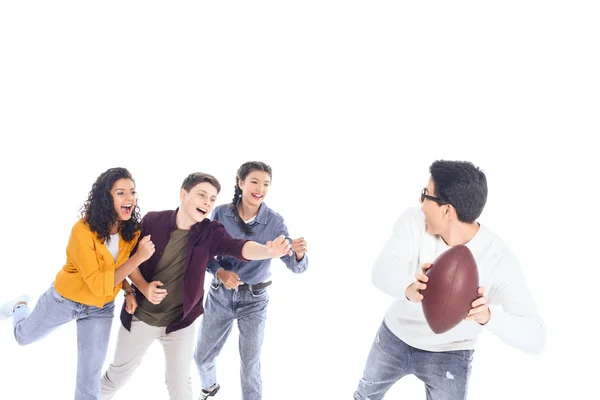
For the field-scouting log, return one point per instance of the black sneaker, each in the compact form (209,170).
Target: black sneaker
(205,394)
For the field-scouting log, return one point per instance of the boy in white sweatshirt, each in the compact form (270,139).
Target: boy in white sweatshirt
(450,204)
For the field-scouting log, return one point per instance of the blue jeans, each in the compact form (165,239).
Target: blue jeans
(93,332)
(445,374)
(222,307)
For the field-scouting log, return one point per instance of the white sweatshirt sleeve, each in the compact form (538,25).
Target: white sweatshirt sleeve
(515,321)
(394,269)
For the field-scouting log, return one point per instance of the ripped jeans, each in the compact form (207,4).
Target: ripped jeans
(445,374)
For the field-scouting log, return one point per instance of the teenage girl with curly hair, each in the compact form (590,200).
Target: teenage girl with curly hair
(85,288)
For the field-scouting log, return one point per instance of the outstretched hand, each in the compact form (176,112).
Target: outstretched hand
(279,247)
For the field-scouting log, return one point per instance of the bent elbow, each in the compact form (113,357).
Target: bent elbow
(538,342)
(381,284)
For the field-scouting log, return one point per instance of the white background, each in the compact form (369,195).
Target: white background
(349,102)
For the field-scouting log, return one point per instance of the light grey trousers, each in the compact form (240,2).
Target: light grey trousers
(133,345)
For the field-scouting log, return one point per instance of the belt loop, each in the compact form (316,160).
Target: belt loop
(236,289)
(250,288)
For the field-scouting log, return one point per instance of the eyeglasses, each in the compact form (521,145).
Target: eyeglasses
(424,196)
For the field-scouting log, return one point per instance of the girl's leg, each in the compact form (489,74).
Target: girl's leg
(51,311)
(93,334)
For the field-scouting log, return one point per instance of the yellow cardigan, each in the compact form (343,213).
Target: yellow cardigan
(88,276)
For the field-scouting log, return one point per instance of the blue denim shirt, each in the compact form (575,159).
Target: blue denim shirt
(267,226)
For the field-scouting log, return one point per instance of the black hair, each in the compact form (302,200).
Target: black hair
(461,184)
(99,210)
(242,173)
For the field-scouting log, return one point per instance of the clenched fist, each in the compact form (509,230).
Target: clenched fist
(145,248)
(299,247)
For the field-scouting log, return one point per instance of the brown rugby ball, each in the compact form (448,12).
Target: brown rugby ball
(452,287)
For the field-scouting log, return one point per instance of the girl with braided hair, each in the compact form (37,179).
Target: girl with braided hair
(238,290)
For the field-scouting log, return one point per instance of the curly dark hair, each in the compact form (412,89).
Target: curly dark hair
(99,210)
(242,173)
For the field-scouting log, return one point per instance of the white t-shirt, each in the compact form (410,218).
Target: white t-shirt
(515,319)
(113,245)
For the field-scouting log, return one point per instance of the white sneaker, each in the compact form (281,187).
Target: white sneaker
(6,311)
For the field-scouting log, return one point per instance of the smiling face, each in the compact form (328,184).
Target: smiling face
(198,203)
(255,187)
(124,198)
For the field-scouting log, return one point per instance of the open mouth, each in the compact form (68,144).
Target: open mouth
(127,209)
(257,196)
(201,210)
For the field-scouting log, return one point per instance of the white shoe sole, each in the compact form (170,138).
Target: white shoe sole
(6,311)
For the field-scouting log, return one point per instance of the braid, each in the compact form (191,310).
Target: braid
(237,197)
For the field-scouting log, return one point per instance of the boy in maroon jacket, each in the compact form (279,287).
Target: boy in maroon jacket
(170,285)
